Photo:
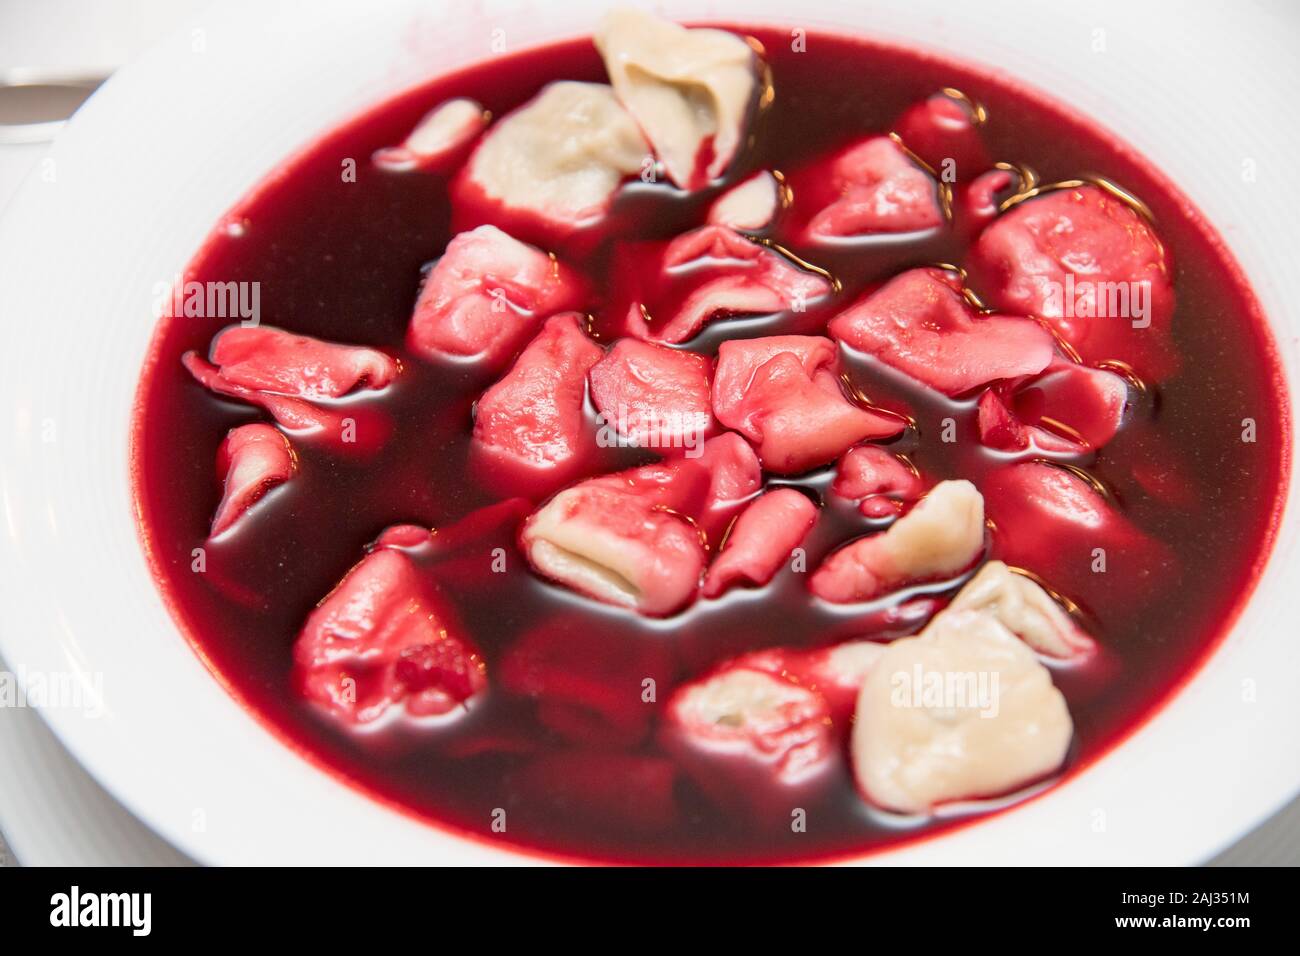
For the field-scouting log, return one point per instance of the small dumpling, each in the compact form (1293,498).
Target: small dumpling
(653,396)
(251,461)
(530,429)
(962,711)
(762,540)
(782,392)
(1121,307)
(443,132)
(486,296)
(920,323)
(1023,607)
(386,639)
(1051,520)
(880,481)
(729,276)
(690,90)
(750,206)
(881,189)
(1069,409)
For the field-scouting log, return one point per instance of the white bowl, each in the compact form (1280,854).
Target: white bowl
(152,162)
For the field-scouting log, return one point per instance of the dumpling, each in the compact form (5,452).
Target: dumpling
(690,89)
(941,535)
(962,711)
(560,157)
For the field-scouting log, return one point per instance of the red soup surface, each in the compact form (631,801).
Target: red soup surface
(565,736)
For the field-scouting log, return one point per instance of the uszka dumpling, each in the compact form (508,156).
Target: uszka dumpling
(690,90)
(437,138)
(1024,607)
(561,156)
(750,206)
(962,711)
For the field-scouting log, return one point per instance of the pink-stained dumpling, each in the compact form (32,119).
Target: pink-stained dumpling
(1069,408)
(267,359)
(636,538)
(1001,428)
(384,637)
(625,539)
(742,278)
(294,414)
(877,479)
(941,536)
(978,204)
(295,379)
(764,535)
(1024,608)
(962,711)
(783,393)
(734,470)
(652,396)
(943,131)
(744,732)
(583,692)
(735,475)
(920,323)
(1054,523)
(690,90)
(880,190)
(252,460)
(439,136)
(486,296)
(1085,261)
(532,423)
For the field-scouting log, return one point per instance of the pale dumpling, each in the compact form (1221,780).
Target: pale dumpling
(562,155)
(688,89)
(962,711)
(448,126)
(750,206)
(1023,607)
(443,131)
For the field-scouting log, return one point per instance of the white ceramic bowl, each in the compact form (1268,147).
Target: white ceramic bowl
(172,141)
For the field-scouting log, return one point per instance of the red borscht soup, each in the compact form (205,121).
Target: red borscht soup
(709,446)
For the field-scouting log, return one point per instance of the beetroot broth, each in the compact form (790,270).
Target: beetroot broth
(342,261)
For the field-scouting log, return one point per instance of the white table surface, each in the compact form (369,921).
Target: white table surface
(51,811)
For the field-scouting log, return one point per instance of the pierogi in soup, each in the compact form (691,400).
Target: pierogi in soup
(704,448)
